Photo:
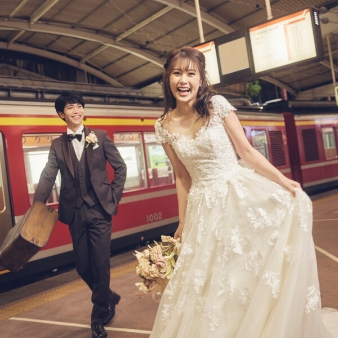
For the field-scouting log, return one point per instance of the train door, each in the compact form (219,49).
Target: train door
(5,203)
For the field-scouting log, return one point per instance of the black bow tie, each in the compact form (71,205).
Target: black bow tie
(72,136)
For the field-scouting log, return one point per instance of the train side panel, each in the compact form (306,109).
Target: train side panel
(267,134)
(317,145)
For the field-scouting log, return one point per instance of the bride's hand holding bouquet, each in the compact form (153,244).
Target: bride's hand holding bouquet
(155,265)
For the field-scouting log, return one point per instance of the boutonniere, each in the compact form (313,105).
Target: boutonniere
(92,140)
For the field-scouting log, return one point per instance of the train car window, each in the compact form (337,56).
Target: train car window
(130,147)
(310,144)
(260,142)
(36,149)
(329,143)
(160,171)
(277,148)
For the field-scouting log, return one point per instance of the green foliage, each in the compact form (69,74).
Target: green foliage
(253,89)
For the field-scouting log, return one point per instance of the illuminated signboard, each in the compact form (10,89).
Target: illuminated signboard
(284,41)
(227,59)
(211,64)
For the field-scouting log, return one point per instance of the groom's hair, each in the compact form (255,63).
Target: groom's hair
(68,96)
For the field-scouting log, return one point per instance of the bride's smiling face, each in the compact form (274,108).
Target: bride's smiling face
(185,81)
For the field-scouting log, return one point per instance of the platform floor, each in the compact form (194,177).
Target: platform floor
(59,307)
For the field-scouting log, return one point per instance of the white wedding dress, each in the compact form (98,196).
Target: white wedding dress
(247,267)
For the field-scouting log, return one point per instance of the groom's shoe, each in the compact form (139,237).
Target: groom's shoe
(111,308)
(98,331)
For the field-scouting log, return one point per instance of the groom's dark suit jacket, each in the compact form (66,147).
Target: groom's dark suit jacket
(108,193)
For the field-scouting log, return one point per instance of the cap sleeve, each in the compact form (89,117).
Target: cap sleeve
(160,133)
(221,106)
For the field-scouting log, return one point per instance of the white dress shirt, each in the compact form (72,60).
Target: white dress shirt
(78,145)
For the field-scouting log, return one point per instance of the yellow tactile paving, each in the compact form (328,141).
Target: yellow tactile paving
(57,293)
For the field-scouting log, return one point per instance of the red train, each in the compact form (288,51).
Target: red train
(301,146)
(312,140)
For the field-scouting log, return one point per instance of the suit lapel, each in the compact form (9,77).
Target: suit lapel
(66,154)
(89,151)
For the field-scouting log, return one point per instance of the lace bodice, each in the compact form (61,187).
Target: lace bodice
(210,155)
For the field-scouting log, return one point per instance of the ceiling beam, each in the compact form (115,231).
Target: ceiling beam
(17,8)
(128,32)
(34,17)
(279,84)
(82,35)
(328,65)
(316,93)
(45,7)
(207,18)
(60,58)
(15,36)
(144,23)
(93,53)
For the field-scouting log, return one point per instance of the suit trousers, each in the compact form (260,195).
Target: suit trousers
(90,230)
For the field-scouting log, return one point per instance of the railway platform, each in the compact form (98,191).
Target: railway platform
(60,306)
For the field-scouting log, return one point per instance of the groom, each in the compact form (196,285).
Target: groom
(87,200)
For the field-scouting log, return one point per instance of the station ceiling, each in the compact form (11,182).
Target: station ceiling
(125,42)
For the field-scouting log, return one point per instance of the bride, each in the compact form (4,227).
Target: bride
(247,267)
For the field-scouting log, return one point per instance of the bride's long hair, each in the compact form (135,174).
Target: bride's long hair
(187,54)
